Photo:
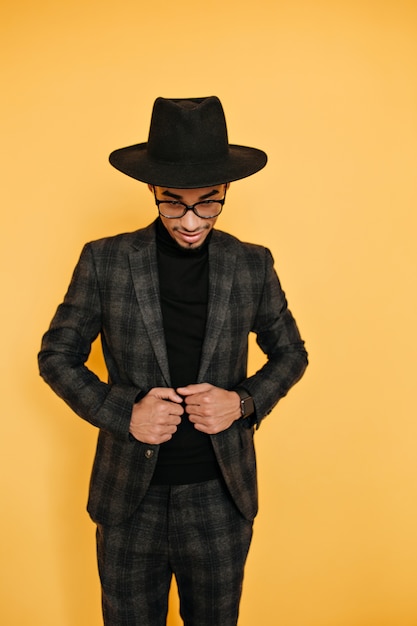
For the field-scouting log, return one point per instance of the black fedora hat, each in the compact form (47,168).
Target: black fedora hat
(188,147)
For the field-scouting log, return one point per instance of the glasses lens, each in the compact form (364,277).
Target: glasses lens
(208,209)
(202,209)
(171,209)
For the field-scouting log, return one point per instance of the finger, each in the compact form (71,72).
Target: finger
(193,389)
(162,412)
(174,419)
(192,401)
(198,418)
(175,410)
(208,429)
(166,393)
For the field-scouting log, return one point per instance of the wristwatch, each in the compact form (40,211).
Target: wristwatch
(247,406)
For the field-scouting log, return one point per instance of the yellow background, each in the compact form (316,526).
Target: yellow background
(328,89)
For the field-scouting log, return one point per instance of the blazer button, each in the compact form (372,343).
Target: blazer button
(149,454)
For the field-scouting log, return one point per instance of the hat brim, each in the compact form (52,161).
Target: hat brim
(240,162)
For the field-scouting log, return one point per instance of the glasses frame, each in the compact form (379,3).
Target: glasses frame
(189,207)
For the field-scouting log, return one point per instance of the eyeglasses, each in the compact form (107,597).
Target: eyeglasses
(206,209)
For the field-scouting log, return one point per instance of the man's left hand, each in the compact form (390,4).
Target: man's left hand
(211,409)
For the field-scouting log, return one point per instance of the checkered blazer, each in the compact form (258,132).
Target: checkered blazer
(114,293)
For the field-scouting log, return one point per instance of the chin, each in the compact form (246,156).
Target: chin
(189,246)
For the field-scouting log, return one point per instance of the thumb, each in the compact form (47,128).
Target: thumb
(166,393)
(190,390)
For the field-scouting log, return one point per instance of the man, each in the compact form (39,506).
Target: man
(173,487)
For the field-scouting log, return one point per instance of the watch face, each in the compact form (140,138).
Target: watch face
(248,407)
(246,403)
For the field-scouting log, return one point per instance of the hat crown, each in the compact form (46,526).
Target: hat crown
(188,147)
(189,130)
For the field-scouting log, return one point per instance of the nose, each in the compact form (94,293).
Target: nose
(190,221)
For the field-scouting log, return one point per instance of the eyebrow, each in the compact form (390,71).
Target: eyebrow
(205,196)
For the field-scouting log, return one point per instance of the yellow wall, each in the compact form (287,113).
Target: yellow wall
(328,89)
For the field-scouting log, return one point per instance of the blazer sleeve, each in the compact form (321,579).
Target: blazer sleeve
(278,336)
(65,349)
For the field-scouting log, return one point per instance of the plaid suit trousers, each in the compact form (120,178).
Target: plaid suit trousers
(194,532)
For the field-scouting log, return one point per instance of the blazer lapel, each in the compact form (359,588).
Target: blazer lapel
(144,269)
(221,272)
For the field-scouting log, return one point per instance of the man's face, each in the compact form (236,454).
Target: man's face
(189,231)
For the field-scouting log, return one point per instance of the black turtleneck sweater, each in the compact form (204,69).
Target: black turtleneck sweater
(183,277)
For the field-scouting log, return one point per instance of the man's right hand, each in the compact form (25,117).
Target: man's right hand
(156,416)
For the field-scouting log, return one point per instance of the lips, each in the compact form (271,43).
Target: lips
(190,237)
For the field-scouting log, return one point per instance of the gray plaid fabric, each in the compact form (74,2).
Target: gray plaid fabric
(194,531)
(114,292)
